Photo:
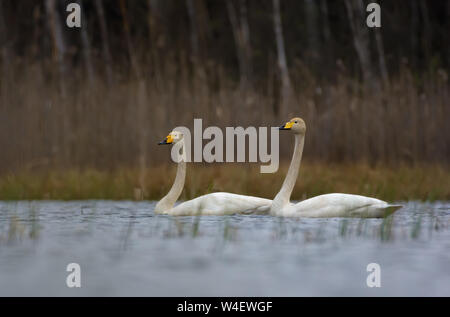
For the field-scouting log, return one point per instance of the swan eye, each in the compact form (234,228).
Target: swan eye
(295,121)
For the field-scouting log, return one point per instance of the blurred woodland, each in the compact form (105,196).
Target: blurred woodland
(102,96)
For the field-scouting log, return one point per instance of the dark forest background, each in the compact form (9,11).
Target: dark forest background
(102,96)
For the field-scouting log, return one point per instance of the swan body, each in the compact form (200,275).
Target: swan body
(209,204)
(323,206)
(220,204)
(338,205)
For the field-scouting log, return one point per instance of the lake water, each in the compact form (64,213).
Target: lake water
(123,249)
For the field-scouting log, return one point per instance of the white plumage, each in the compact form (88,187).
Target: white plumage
(210,204)
(338,205)
(221,204)
(323,206)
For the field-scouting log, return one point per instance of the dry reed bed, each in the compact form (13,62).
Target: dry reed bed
(421,182)
(95,126)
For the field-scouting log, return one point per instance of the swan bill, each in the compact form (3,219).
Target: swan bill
(167,140)
(287,126)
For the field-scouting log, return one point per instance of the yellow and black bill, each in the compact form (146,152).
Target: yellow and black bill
(286,126)
(167,140)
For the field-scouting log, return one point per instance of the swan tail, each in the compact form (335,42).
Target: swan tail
(375,211)
(394,208)
(390,209)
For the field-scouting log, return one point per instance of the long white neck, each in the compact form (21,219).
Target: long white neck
(168,201)
(284,195)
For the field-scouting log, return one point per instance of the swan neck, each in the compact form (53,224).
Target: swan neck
(285,192)
(168,201)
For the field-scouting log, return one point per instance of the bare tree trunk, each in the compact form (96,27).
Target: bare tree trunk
(328,40)
(5,58)
(325,22)
(448,28)
(59,46)
(3,40)
(232,15)
(126,28)
(312,28)
(381,57)
(105,41)
(355,10)
(245,31)
(282,63)
(414,27)
(426,36)
(59,56)
(204,31)
(86,45)
(156,24)
(152,36)
(194,32)
(241,34)
(141,98)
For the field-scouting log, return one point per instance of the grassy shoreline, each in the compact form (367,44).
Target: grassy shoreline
(402,182)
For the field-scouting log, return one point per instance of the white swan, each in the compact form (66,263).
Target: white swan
(329,205)
(210,204)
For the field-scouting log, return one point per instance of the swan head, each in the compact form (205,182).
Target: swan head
(172,138)
(296,125)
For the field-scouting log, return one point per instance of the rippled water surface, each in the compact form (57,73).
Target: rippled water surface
(124,249)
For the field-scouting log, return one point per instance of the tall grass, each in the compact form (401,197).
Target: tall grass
(108,127)
(422,182)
